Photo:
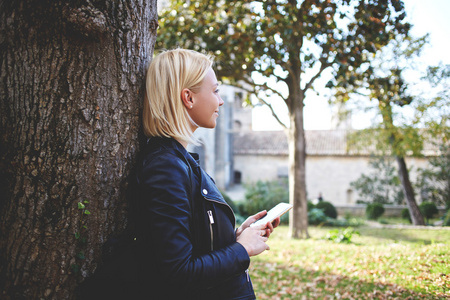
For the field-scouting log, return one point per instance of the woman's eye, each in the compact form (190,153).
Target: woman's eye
(216,91)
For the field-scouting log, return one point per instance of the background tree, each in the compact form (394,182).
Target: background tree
(434,181)
(433,112)
(278,49)
(70,86)
(383,81)
(382,185)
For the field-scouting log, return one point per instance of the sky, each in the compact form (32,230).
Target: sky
(430,16)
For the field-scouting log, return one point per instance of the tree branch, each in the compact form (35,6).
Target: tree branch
(261,100)
(322,67)
(271,110)
(263,87)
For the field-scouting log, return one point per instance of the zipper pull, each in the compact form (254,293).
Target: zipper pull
(211,218)
(248,276)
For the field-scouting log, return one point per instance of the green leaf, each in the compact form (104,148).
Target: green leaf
(86,212)
(75,268)
(81,205)
(77,235)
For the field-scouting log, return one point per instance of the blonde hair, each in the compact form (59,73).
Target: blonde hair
(169,73)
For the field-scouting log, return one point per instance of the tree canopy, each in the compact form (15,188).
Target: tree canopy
(279,39)
(278,49)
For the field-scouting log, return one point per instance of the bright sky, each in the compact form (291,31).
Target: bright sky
(429,16)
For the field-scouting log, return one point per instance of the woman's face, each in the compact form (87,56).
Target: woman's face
(206,102)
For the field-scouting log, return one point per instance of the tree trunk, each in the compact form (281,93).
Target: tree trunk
(388,121)
(71,85)
(416,215)
(298,224)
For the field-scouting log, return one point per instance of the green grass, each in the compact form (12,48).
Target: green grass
(377,264)
(401,221)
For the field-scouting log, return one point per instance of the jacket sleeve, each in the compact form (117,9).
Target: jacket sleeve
(166,186)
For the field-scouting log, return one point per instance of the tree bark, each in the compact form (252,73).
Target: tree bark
(298,224)
(71,85)
(416,215)
(388,121)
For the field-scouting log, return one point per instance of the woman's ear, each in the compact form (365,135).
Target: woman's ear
(186,97)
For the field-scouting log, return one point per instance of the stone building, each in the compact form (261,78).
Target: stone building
(215,146)
(330,166)
(233,154)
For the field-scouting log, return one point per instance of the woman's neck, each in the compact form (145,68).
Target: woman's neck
(183,143)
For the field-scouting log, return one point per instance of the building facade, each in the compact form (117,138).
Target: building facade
(330,166)
(215,146)
(235,155)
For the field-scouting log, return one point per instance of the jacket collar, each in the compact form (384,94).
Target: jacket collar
(175,146)
(208,188)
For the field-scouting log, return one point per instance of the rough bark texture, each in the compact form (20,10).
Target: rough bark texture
(298,224)
(71,80)
(416,215)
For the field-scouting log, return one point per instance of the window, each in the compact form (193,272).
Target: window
(237,177)
(350,196)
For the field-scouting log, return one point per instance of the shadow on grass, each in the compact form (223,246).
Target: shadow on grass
(280,281)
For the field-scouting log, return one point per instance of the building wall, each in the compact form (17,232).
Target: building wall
(259,167)
(206,148)
(216,145)
(327,175)
(331,176)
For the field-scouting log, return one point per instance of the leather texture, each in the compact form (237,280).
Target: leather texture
(186,230)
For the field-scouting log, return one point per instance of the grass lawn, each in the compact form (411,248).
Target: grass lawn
(377,264)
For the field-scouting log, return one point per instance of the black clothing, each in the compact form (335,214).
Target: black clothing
(185,230)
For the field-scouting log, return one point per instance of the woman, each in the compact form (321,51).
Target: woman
(187,242)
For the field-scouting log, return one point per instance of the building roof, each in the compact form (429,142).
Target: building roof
(318,142)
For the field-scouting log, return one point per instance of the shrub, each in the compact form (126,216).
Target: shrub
(316,216)
(428,210)
(374,210)
(406,215)
(328,209)
(265,195)
(341,236)
(230,202)
(446,218)
(236,208)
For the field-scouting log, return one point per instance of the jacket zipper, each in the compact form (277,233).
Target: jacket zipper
(226,204)
(211,221)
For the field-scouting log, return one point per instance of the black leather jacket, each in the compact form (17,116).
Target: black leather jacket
(186,230)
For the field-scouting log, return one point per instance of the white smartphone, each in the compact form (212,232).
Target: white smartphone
(277,211)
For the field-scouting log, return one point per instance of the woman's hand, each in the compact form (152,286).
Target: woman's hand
(269,227)
(250,220)
(253,239)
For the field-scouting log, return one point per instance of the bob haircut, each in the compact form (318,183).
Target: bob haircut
(169,73)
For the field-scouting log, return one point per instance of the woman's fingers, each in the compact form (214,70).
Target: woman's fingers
(253,240)
(276,222)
